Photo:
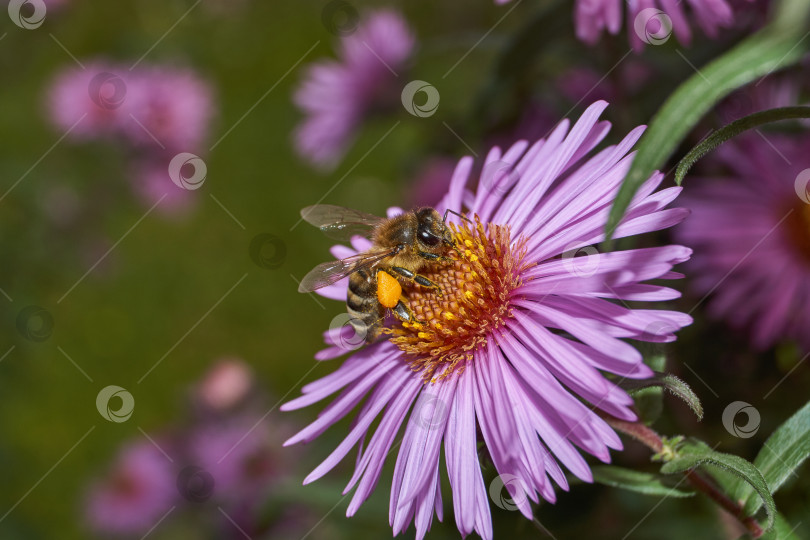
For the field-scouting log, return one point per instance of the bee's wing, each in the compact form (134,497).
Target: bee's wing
(340,223)
(332,271)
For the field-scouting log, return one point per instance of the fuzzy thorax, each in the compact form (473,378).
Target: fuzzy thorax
(476,286)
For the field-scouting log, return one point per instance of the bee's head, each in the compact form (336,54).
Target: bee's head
(432,233)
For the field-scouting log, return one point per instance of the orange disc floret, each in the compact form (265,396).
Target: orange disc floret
(477,287)
(388,289)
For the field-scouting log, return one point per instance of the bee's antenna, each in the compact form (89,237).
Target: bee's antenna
(448,211)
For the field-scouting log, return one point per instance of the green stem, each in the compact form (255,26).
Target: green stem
(652,440)
(733,129)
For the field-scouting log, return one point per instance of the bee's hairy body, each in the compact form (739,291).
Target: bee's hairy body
(401,247)
(399,234)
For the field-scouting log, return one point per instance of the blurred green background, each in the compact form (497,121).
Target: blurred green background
(185,289)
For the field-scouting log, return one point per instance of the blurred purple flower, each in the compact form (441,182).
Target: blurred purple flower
(431,181)
(151,183)
(167,107)
(137,492)
(517,343)
(86,102)
(650,21)
(778,90)
(336,95)
(156,111)
(239,456)
(225,386)
(751,234)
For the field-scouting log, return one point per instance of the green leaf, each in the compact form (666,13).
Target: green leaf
(669,382)
(733,129)
(640,482)
(783,452)
(698,454)
(780,44)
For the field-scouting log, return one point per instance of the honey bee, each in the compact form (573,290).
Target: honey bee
(401,247)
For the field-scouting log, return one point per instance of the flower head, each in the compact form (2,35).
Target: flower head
(86,102)
(167,108)
(517,343)
(336,95)
(652,21)
(137,492)
(751,235)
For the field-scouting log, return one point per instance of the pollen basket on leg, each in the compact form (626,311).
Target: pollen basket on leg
(476,289)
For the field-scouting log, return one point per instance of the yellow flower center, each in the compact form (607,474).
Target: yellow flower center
(476,289)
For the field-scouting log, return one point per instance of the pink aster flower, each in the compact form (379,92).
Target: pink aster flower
(513,354)
(336,95)
(167,108)
(751,235)
(649,21)
(152,184)
(139,489)
(86,102)
(159,109)
(238,454)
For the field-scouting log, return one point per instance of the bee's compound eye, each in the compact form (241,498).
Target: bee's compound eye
(428,238)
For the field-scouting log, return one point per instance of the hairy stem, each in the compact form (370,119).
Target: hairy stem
(652,440)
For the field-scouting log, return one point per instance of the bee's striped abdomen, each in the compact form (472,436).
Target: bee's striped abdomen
(362,304)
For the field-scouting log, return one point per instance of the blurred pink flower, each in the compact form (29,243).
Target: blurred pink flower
(650,21)
(137,492)
(751,234)
(431,181)
(167,107)
(778,90)
(151,183)
(161,109)
(87,101)
(336,95)
(225,385)
(239,455)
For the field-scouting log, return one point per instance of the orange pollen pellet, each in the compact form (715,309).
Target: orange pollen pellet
(389,290)
(477,287)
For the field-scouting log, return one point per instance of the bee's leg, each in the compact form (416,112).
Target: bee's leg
(417,278)
(404,313)
(433,257)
